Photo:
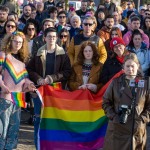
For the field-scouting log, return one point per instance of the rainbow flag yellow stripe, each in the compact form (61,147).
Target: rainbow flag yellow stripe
(19,99)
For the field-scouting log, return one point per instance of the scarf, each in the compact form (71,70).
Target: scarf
(120,59)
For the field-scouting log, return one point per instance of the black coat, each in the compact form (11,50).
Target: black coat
(110,68)
(38,42)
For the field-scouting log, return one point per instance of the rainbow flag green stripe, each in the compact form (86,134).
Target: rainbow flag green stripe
(18,99)
(17,77)
(58,124)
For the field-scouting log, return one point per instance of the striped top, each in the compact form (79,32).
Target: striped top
(86,69)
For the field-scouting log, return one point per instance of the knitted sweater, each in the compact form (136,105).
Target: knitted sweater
(14,75)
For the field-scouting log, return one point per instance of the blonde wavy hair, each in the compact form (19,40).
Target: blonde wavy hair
(6,46)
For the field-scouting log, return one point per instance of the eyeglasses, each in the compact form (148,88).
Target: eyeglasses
(88,24)
(62,17)
(12,26)
(49,36)
(31,29)
(129,4)
(147,14)
(63,36)
(17,42)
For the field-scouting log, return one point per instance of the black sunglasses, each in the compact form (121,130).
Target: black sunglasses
(62,36)
(88,24)
(8,26)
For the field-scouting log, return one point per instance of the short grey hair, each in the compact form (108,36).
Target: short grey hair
(76,17)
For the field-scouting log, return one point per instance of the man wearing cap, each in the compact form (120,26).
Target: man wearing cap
(60,6)
(135,24)
(48,4)
(86,35)
(39,40)
(142,13)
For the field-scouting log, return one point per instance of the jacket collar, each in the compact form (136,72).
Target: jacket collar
(58,50)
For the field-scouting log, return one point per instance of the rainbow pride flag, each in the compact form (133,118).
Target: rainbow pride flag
(19,99)
(72,120)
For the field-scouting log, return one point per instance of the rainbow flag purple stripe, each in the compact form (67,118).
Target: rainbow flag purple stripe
(72,120)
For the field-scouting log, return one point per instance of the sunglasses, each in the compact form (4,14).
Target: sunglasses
(63,36)
(147,14)
(88,24)
(12,26)
(62,17)
(128,4)
(31,29)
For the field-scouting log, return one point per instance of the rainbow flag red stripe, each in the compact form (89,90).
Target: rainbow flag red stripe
(19,99)
(72,120)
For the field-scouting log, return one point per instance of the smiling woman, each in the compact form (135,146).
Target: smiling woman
(9,27)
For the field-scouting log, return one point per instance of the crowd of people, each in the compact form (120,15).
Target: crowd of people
(83,49)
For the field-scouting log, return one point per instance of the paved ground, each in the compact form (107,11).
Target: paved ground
(26,139)
(26,135)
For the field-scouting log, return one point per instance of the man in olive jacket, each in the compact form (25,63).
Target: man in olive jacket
(50,64)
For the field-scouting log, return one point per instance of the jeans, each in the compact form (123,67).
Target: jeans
(37,119)
(10,121)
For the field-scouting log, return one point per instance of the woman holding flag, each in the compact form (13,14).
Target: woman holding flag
(86,72)
(13,78)
(126,103)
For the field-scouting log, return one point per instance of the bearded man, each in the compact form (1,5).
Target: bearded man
(104,32)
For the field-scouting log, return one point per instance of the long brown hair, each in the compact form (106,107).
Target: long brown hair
(6,46)
(96,56)
(117,30)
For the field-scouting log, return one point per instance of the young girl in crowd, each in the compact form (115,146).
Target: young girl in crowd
(13,78)
(86,72)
